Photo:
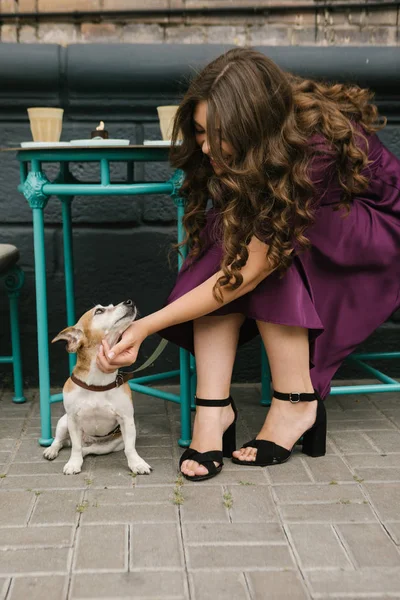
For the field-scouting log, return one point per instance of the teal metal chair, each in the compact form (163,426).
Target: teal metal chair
(12,277)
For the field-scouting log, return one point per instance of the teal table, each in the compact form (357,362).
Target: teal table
(37,189)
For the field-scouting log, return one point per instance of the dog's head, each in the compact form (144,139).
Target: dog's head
(101,322)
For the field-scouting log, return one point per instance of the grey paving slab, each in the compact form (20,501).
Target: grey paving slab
(138,513)
(4,586)
(309,529)
(277,585)
(236,557)
(294,471)
(11,428)
(361,538)
(43,482)
(228,476)
(380,461)
(354,401)
(15,507)
(120,586)
(56,507)
(340,512)
(203,504)
(328,468)
(386,499)
(156,546)
(36,536)
(39,587)
(42,560)
(349,416)
(351,441)
(164,471)
(133,495)
(224,586)
(45,467)
(386,441)
(102,548)
(252,503)
(361,581)
(7,444)
(30,451)
(310,494)
(318,546)
(381,424)
(379,474)
(233,533)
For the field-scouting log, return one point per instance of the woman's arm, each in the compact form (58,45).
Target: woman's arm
(198,302)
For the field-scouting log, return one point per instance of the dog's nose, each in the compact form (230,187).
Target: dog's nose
(128,303)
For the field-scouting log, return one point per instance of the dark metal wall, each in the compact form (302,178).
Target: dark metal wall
(121,245)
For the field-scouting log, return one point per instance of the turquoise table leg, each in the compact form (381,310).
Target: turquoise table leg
(13,282)
(68,268)
(265,379)
(193,382)
(185,387)
(32,190)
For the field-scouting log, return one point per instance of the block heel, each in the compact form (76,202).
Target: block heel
(229,440)
(208,459)
(314,439)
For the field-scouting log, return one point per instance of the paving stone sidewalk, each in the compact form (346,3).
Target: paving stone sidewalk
(311,528)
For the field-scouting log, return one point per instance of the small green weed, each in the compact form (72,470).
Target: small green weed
(228,500)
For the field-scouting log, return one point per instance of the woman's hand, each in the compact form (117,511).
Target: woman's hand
(125,352)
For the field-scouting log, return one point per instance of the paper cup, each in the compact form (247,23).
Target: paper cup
(46,124)
(166,114)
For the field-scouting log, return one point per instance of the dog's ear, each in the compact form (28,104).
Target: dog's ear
(73,336)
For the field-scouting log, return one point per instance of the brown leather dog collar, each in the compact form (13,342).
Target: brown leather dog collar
(123,376)
(120,379)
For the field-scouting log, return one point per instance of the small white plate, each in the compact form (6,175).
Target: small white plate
(44,144)
(103,143)
(156,142)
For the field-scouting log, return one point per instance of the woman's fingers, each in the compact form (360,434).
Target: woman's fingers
(103,363)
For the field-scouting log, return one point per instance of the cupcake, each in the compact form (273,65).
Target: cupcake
(99,131)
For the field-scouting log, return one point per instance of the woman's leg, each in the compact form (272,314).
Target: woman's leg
(288,355)
(215,343)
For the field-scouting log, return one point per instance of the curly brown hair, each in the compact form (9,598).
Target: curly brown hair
(267,116)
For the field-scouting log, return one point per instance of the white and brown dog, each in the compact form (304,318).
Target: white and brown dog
(97,421)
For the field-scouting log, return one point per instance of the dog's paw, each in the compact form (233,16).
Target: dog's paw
(51,452)
(71,468)
(140,467)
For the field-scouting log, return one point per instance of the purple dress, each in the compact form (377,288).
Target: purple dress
(341,289)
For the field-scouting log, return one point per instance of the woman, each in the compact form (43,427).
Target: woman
(302,238)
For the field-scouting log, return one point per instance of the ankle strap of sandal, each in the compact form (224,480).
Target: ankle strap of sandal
(201,402)
(295,397)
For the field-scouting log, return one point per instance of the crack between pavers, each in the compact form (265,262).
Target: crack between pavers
(362,489)
(18,443)
(185,562)
(71,557)
(248,587)
(129,548)
(371,443)
(291,546)
(8,590)
(347,551)
(391,537)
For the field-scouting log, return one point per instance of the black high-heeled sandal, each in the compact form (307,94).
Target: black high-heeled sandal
(207,459)
(313,440)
